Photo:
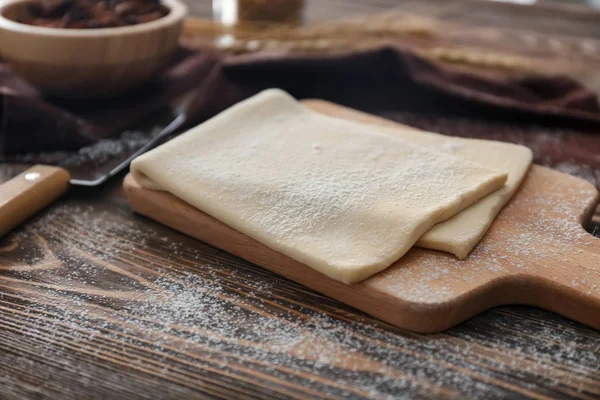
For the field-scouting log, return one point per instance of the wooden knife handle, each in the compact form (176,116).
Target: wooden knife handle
(29,192)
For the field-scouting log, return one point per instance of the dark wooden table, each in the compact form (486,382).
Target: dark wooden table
(96,302)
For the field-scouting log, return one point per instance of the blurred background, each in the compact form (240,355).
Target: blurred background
(543,36)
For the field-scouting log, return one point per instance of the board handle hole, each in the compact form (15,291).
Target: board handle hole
(593,226)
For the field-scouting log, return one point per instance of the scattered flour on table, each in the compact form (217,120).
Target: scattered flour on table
(105,150)
(586,172)
(209,309)
(97,154)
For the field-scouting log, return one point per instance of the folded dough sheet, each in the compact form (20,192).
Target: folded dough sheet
(343,198)
(461,233)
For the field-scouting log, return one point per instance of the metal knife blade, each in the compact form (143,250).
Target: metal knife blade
(30,191)
(95,164)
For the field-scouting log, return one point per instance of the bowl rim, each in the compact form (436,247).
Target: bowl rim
(177,11)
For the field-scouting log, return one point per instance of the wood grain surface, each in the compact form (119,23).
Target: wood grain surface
(105,305)
(96,303)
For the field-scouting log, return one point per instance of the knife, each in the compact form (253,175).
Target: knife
(32,190)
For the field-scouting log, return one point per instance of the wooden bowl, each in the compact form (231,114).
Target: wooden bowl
(88,62)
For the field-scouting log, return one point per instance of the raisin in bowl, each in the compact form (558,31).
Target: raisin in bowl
(89,48)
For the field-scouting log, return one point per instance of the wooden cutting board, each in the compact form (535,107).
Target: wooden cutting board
(535,253)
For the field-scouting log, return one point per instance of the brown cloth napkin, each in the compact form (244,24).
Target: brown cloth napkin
(389,80)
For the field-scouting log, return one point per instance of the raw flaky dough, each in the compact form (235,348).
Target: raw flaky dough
(461,233)
(339,197)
